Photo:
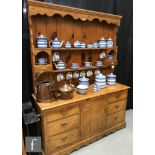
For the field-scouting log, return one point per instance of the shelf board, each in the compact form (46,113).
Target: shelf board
(79,69)
(74,49)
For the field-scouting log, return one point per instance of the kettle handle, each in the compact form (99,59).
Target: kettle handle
(51,88)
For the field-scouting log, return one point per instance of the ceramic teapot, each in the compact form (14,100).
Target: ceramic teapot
(77,44)
(56,43)
(60,65)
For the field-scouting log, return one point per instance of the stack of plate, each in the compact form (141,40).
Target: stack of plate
(100,80)
(111,79)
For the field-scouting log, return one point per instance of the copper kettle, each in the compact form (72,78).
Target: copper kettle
(45,91)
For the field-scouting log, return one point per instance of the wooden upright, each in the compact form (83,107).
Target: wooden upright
(69,124)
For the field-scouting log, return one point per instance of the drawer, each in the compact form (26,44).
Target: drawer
(61,113)
(115,118)
(56,142)
(117,96)
(115,107)
(62,125)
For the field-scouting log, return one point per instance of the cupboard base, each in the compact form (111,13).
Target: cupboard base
(89,140)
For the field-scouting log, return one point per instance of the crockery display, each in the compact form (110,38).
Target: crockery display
(60,65)
(41,41)
(56,43)
(102,43)
(109,43)
(84,81)
(97,72)
(82,74)
(88,64)
(111,79)
(76,75)
(102,55)
(89,45)
(69,76)
(56,57)
(100,80)
(60,77)
(83,45)
(77,44)
(89,73)
(42,61)
(95,45)
(74,65)
(67,44)
(99,63)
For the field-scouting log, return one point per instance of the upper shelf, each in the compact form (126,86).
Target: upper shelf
(49,9)
(73,49)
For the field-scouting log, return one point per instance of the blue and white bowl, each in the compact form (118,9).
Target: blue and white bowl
(41,46)
(82,89)
(95,45)
(41,60)
(56,46)
(74,65)
(111,83)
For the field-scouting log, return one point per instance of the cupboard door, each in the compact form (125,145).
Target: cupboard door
(86,119)
(98,115)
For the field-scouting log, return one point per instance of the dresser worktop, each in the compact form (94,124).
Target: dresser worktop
(77,97)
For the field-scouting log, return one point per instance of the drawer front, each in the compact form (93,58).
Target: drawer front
(62,125)
(61,113)
(117,96)
(56,142)
(115,118)
(115,107)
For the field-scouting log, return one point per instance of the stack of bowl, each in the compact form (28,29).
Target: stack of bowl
(100,80)
(41,41)
(111,79)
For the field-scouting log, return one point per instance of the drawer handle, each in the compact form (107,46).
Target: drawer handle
(116,106)
(63,124)
(64,113)
(116,118)
(64,138)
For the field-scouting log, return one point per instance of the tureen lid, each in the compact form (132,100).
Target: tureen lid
(84,79)
(111,75)
(100,75)
(102,38)
(66,87)
(41,36)
(109,39)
